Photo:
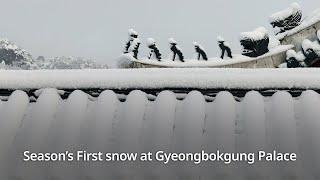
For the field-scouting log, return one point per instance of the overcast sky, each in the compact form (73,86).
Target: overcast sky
(98,28)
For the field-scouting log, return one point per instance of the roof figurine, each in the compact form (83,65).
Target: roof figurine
(224,47)
(293,60)
(311,51)
(175,50)
(132,35)
(134,48)
(201,54)
(287,19)
(154,51)
(255,43)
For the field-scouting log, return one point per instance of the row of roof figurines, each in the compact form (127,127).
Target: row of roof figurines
(254,43)
(133,44)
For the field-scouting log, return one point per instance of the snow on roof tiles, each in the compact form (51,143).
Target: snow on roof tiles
(200,78)
(137,125)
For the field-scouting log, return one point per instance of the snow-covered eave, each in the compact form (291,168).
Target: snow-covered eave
(195,78)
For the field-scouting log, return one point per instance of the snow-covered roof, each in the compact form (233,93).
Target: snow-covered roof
(253,124)
(294,7)
(257,34)
(162,78)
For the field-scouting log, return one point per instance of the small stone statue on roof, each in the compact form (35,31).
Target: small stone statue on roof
(224,46)
(134,48)
(287,19)
(154,51)
(201,54)
(175,50)
(132,35)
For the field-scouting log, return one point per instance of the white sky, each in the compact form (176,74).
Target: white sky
(98,28)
